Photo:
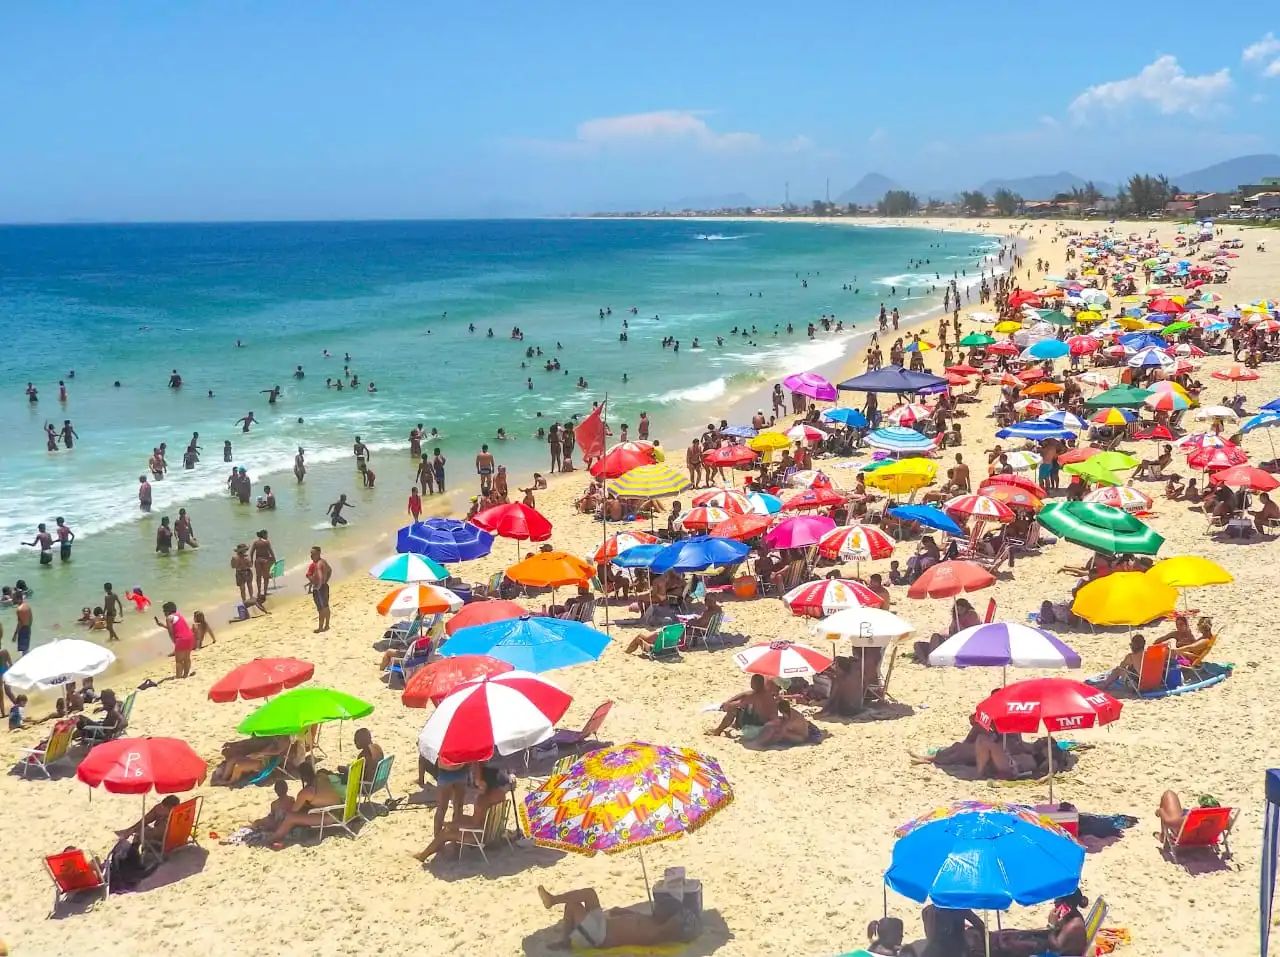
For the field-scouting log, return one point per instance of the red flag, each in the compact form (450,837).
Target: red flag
(590,434)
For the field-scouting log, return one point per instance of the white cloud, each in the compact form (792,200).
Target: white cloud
(663,125)
(1163,84)
(879,136)
(1265,49)
(1273,69)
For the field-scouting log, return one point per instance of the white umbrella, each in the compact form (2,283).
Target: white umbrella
(865,627)
(57,663)
(1216,412)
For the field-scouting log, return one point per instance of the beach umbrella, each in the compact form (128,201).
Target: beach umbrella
(908,414)
(977,340)
(1168,401)
(419,597)
(483,613)
(623,797)
(1012,496)
(949,579)
(956,380)
(856,543)
(1203,440)
(810,478)
(1101,528)
(1008,325)
(1083,345)
(805,433)
(1245,476)
(800,531)
(1189,571)
(641,556)
(1124,598)
(952,808)
(980,507)
(649,481)
(1022,460)
(530,643)
(1038,388)
(619,542)
(497,714)
(865,627)
(1121,397)
(434,682)
(1210,459)
(985,860)
(60,662)
(297,710)
(1093,471)
(822,598)
(903,476)
(703,517)
(1037,407)
(444,540)
(1003,645)
(812,385)
(1166,305)
(782,659)
(769,442)
(551,570)
(1064,420)
(1114,417)
(1143,340)
(813,498)
(620,460)
(1035,430)
(142,765)
(517,521)
(1235,373)
(898,439)
(928,516)
(1116,461)
(850,418)
(963,369)
(1005,347)
(1017,481)
(1263,420)
(742,527)
(764,504)
(408,568)
(739,431)
(698,554)
(1120,496)
(730,455)
(261,678)
(919,345)
(1047,349)
(1150,358)
(1096,379)
(637,445)
(1216,412)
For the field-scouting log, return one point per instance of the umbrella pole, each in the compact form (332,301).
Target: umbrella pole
(142,826)
(986,935)
(645,872)
(1052,746)
(604,583)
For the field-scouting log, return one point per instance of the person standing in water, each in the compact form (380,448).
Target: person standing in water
(25,619)
(437,466)
(69,434)
(144,493)
(164,537)
(44,541)
(226,451)
(425,476)
(484,468)
(65,538)
(184,531)
(362,455)
(300,465)
(334,511)
(112,611)
(247,420)
(263,556)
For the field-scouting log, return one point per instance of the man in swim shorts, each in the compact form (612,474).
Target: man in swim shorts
(22,631)
(484,468)
(44,541)
(589,926)
(318,573)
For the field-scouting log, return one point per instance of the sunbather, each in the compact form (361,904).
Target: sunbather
(491,791)
(1131,666)
(963,753)
(643,640)
(317,792)
(278,810)
(154,823)
(587,925)
(1154,468)
(790,727)
(243,759)
(1066,932)
(111,723)
(1171,813)
(754,708)
(1267,514)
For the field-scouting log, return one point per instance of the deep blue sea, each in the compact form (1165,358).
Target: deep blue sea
(130,303)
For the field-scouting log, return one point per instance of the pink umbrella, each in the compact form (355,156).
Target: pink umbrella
(799,532)
(812,385)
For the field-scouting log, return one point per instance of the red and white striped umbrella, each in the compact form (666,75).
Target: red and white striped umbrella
(619,542)
(1266,325)
(822,598)
(782,659)
(981,507)
(1187,349)
(805,433)
(637,446)
(856,543)
(502,713)
(1034,406)
(703,517)
(1096,379)
(908,414)
(1202,440)
(810,478)
(735,503)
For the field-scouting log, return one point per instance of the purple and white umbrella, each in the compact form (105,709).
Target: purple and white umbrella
(812,385)
(1003,644)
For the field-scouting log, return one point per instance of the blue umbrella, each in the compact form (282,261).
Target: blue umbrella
(762,503)
(1036,429)
(890,379)
(1066,420)
(740,432)
(928,516)
(1049,349)
(850,417)
(641,556)
(986,860)
(1272,406)
(1231,314)
(1268,418)
(698,554)
(1150,357)
(1143,340)
(444,540)
(530,644)
(1217,327)
(895,438)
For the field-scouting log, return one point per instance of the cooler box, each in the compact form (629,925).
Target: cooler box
(1069,821)
(676,893)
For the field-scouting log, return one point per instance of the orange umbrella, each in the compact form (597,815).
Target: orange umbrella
(1013,496)
(484,613)
(421,597)
(742,527)
(551,570)
(1042,388)
(948,579)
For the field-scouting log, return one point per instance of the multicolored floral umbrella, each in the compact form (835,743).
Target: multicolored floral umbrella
(966,807)
(623,797)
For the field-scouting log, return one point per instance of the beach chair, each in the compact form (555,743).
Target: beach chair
(277,571)
(273,765)
(75,872)
(1203,828)
(1154,673)
(668,641)
(95,735)
(991,612)
(794,576)
(1195,664)
(708,634)
(567,737)
(495,828)
(179,830)
(381,782)
(342,815)
(53,751)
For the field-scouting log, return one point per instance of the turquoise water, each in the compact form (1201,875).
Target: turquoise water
(131,303)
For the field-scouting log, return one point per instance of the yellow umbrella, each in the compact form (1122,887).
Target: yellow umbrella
(1008,326)
(768,442)
(1189,571)
(1088,315)
(904,476)
(649,481)
(1128,322)
(1124,598)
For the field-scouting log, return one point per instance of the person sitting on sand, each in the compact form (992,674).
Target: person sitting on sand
(1066,932)
(248,758)
(491,791)
(885,936)
(277,811)
(1174,488)
(317,792)
(586,925)
(962,616)
(754,708)
(945,931)
(926,556)
(789,727)
(1131,666)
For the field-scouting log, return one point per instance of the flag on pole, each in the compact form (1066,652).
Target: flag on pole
(590,434)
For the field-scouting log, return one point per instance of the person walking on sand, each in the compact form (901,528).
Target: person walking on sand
(415,504)
(183,638)
(242,565)
(318,573)
(112,611)
(263,557)
(362,454)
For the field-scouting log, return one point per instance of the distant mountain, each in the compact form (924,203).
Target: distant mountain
(1227,176)
(1044,187)
(867,191)
(723,201)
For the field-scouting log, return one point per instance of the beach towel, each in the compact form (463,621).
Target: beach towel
(1109,938)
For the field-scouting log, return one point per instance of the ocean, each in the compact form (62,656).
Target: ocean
(124,305)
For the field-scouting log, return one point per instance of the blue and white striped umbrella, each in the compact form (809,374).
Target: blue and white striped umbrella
(1268,419)
(762,503)
(1151,357)
(898,439)
(1066,420)
(1036,430)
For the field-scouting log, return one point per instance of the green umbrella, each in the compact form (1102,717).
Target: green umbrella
(1100,528)
(1179,326)
(1053,317)
(1114,460)
(975,339)
(1121,397)
(295,711)
(1093,472)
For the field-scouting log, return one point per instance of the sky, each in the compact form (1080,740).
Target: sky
(232,110)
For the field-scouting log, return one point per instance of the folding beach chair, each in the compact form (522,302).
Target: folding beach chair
(381,782)
(75,872)
(95,735)
(568,738)
(495,828)
(179,830)
(277,571)
(53,750)
(1092,924)
(1154,674)
(708,634)
(1195,664)
(342,815)
(1204,828)
(667,643)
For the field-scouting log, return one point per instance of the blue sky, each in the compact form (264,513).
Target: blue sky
(237,110)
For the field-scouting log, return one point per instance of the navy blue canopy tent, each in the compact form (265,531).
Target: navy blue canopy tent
(892,379)
(1270,856)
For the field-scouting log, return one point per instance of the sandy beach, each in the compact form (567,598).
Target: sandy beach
(794,866)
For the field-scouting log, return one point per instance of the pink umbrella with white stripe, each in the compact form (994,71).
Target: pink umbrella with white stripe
(499,714)
(782,659)
(856,543)
(822,598)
